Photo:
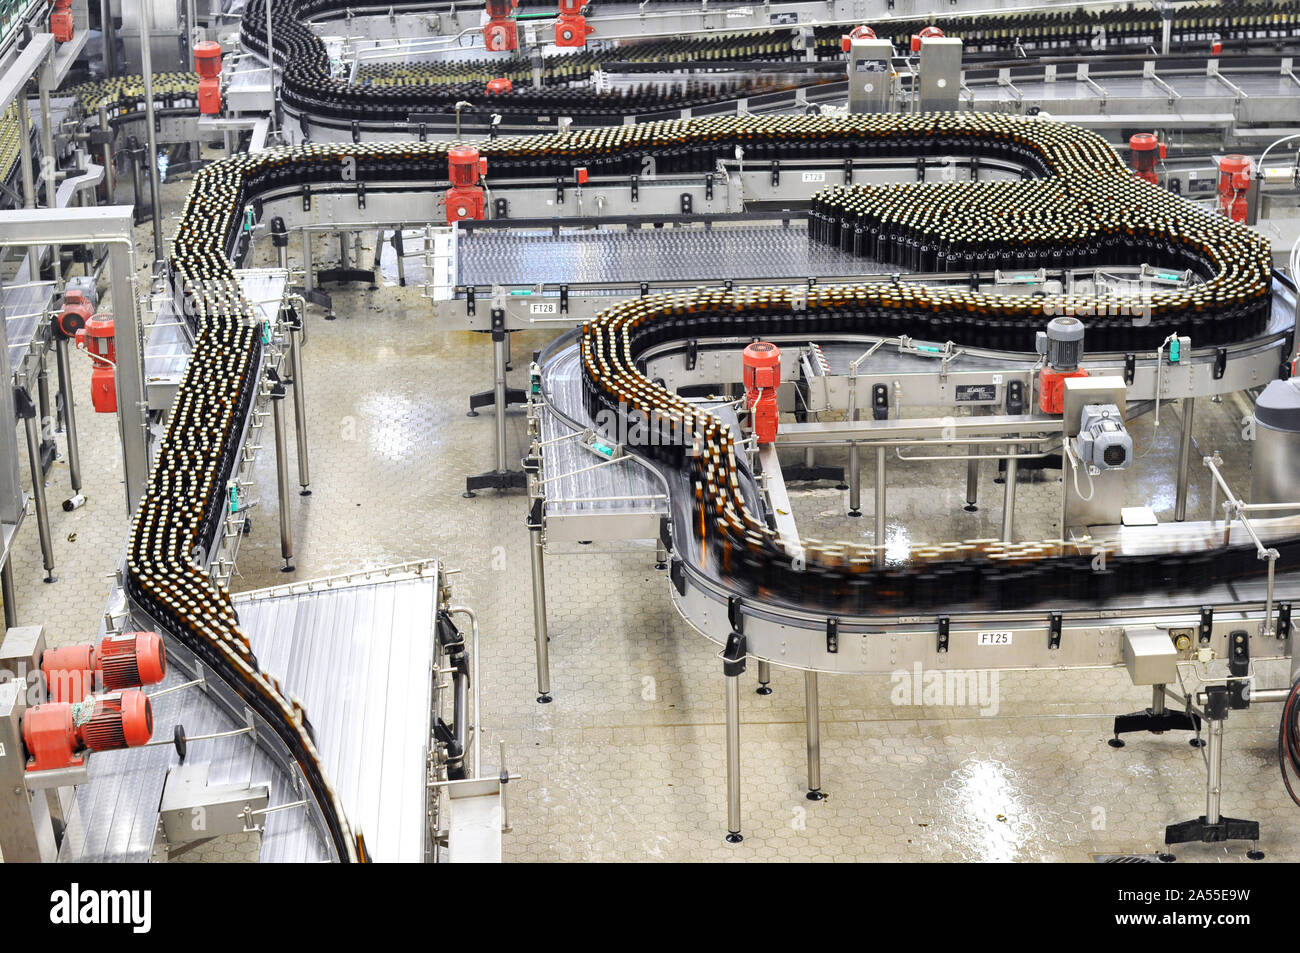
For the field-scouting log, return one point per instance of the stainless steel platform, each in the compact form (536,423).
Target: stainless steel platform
(527,257)
(621,500)
(24,310)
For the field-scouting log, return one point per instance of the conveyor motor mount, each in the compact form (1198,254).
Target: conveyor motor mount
(1062,348)
(761,362)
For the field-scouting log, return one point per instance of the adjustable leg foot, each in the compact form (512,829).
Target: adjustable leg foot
(544,699)
(816,795)
(734,838)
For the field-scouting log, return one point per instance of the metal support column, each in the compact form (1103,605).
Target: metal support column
(300,406)
(146,69)
(1009,499)
(8,593)
(733,666)
(49,174)
(855,482)
(33,427)
(880,507)
(502,478)
(812,717)
(110,164)
(128,339)
(1214,770)
(63,348)
(536,556)
(972,477)
(109,30)
(1184,459)
(25,163)
(282,476)
(764,678)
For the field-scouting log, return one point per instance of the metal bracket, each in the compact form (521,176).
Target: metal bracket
(356,131)
(1220,362)
(920,168)
(708,187)
(735,615)
(1283,619)
(1206,629)
(1015,397)
(692,353)
(361,195)
(686,203)
(1130,367)
(306,198)
(941,644)
(880,401)
(501,207)
(564,299)
(848,171)
(636,188)
(733,656)
(559,190)
(470,305)
(776,173)
(1054,630)
(832,636)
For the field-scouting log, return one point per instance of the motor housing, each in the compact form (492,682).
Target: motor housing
(761,366)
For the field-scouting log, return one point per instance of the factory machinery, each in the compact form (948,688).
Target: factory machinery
(660,414)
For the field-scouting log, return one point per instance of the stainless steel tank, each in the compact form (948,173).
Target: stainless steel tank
(1275,463)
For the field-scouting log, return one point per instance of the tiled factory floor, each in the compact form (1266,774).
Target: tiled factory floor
(628,762)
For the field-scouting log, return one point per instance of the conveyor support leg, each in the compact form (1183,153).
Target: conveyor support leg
(537,555)
(764,678)
(812,718)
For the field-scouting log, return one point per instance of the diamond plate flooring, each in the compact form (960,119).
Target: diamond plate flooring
(627,763)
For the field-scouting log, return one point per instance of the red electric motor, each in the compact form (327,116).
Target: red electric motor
(58,734)
(1234,183)
(207,63)
(1146,151)
(121,661)
(464,199)
(97,338)
(761,364)
(61,24)
(500,34)
(857,33)
(499,86)
(76,311)
(926,34)
(571,27)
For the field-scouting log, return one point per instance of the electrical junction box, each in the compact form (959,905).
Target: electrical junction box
(1150,657)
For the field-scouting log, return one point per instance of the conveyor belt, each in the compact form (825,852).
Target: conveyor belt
(489,256)
(361,650)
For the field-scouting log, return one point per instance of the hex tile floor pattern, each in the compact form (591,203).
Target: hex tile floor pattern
(627,763)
